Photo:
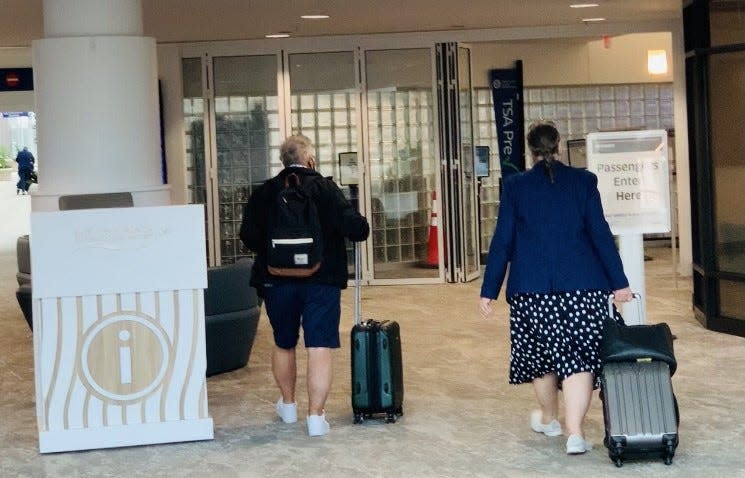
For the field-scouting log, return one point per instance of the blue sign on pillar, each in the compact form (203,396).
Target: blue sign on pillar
(507,94)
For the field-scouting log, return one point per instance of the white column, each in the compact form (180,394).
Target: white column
(682,161)
(96,87)
(631,250)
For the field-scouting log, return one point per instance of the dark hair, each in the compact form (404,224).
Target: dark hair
(543,141)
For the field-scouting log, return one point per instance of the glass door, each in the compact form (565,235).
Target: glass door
(232,138)
(468,199)
(373,117)
(247,139)
(403,179)
(196,115)
(324,106)
(456,143)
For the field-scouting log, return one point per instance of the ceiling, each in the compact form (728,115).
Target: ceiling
(21,21)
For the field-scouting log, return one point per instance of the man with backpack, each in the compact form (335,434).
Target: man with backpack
(296,223)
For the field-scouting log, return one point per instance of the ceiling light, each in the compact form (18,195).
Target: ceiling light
(315,16)
(657,62)
(590,20)
(277,35)
(584,5)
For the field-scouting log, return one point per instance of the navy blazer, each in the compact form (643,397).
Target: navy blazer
(554,236)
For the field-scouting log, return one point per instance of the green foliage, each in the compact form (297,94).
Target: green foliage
(4,157)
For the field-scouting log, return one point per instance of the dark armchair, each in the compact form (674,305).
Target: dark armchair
(231,309)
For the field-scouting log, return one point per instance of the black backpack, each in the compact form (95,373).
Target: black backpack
(295,239)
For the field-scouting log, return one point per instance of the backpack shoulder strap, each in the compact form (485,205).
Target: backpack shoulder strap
(292,180)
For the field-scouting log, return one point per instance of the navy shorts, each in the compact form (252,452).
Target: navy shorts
(316,307)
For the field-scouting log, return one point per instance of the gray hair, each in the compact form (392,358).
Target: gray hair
(296,149)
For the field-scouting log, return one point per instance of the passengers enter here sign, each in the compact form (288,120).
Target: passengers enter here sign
(633,180)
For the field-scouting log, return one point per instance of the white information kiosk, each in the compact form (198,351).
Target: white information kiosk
(632,171)
(118,311)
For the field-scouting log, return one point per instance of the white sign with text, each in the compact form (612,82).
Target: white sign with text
(633,179)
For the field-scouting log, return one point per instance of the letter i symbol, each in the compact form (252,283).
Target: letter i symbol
(125,358)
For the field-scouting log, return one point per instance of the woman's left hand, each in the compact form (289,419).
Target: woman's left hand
(485,306)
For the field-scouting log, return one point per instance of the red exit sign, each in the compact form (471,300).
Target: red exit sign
(16,79)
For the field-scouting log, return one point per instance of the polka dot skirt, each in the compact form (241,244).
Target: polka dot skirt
(558,332)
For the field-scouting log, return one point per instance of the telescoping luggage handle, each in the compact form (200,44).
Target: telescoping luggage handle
(357,281)
(634,296)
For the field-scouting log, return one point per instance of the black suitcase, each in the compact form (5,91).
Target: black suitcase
(377,366)
(639,407)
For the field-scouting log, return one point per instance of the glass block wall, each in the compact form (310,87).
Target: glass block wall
(329,120)
(576,111)
(402,162)
(247,138)
(194,143)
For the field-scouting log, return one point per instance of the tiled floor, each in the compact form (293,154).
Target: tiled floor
(461,418)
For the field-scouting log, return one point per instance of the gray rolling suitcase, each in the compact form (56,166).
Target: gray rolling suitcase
(639,407)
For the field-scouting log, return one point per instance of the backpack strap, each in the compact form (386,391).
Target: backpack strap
(292,180)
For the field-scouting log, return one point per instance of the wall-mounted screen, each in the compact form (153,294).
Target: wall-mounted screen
(482,161)
(576,154)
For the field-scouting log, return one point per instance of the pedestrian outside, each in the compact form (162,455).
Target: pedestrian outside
(25,161)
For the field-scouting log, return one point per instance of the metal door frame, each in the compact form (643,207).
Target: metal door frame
(452,168)
(366,174)
(207,54)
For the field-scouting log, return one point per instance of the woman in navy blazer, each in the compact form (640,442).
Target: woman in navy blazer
(563,263)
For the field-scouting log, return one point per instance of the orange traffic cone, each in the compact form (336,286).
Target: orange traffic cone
(433,254)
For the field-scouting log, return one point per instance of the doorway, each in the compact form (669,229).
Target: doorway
(372,116)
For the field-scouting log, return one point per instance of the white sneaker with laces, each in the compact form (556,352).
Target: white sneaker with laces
(317,425)
(286,411)
(552,429)
(576,445)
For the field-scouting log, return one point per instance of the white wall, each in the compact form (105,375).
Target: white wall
(574,61)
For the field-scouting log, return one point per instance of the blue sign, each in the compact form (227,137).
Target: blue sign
(507,94)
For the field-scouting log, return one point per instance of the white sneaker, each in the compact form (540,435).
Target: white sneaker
(286,411)
(576,445)
(552,429)
(317,425)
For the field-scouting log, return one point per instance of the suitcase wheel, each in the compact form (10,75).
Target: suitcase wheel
(390,417)
(400,411)
(669,452)
(615,452)
(358,418)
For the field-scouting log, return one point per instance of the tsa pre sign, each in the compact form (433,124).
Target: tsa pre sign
(633,182)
